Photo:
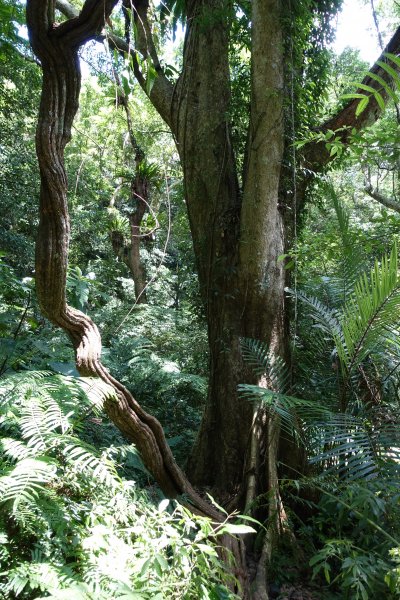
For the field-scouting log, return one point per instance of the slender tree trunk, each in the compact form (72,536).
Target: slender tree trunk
(134,259)
(139,197)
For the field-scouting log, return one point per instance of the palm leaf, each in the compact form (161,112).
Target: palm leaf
(373,307)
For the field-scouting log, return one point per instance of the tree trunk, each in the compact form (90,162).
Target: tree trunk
(139,198)
(134,260)
(237,240)
(57,48)
(213,201)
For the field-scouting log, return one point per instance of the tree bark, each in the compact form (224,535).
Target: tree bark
(57,46)
(134,260)
(237,238)
(201,126)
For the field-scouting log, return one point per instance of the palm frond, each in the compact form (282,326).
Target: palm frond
(373,307)
(256,354)
(351,447)
(263,362)
(293,412)
(326,319)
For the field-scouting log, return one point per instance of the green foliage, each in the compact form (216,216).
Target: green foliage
(18,322)
(78,286)
(149,355)
(369,314)
(353,455)
(11,16)
(374,93)
(71,525)
(19,96)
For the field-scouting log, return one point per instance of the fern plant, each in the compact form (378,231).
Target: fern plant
(71,524)
(350,433)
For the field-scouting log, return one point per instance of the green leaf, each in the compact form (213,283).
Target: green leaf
(393,58)
(164,566)
(395,76)
(206,549)
(162,507)
(151,76)
(370,312)
(353,96)
(365,87)
(362,105)
(385,85)
(380,101)
(238,528)
(65,368)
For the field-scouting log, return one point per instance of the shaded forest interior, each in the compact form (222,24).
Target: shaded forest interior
(199,300)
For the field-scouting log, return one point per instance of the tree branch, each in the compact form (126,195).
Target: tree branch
(316,154)
(385,200)
(67,9)
(89,22)
(161,93)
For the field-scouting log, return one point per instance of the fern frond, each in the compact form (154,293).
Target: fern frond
(25,480)
(15,449)
(97,391)
(82,457)
(256,355)
(373,307)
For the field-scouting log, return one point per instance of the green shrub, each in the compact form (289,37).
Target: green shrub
(71,524)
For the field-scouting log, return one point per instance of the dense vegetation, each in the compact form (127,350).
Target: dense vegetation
(313,507)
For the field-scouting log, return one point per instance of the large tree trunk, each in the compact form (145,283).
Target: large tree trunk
(201,123)
(237,240)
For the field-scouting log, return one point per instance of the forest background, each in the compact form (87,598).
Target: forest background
(301,412)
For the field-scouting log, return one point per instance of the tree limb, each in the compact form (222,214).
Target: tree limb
(382,199)
(88,24)
(161,93)
(316,155)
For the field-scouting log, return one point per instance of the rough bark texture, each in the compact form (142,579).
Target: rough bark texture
(56,47)
(134,260)
(237,238)
(201,125)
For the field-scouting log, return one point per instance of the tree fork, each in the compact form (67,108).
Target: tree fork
(57,46)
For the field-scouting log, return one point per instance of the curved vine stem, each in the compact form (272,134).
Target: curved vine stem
(56,46)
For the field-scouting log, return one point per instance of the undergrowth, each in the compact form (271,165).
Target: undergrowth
(71,524)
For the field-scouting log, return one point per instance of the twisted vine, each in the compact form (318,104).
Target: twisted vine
(56,46)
